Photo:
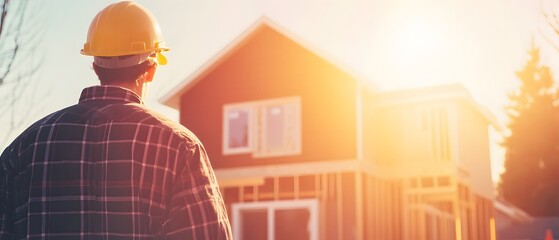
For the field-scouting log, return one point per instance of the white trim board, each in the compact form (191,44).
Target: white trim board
(293,169)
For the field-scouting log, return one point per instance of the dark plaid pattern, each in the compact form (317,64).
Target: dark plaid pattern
(108,168)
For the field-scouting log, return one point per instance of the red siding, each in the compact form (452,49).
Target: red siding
(268,65)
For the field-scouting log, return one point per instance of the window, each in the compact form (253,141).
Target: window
(238,121)
(427,182)
(443,181)
(277,220)
(263,128)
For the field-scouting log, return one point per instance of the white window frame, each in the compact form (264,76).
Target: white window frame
(262,149)
(257,128)
(271,207)
(226,111)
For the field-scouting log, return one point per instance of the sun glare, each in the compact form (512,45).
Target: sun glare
(419,52)
(417,42)
(423,43)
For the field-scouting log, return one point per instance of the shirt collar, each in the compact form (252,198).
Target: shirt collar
(108,92)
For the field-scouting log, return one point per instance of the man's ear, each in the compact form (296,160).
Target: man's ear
(151,72)
(95,69)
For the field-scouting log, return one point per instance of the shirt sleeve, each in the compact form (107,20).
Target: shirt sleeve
(7,211)
(197,210)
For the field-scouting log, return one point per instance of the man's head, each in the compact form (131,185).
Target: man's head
(125,69)
(126,42)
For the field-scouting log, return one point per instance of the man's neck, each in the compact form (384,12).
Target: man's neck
(139,89)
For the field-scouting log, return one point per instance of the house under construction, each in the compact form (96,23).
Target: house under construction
(304,149)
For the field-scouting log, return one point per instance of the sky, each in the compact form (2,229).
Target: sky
(392,43)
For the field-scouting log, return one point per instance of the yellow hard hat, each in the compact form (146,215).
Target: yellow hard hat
(124,28)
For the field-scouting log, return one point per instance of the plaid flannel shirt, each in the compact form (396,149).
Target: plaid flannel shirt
(108,168)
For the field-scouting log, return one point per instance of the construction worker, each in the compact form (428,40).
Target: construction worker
(107,167)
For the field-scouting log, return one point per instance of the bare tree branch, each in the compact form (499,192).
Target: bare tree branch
(20,64)
(21,15)
(552,20)
(3,16)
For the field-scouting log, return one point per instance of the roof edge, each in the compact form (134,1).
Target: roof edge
(512,211)
(171,98)
(437,92)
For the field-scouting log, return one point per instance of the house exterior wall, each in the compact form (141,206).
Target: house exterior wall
(268,65)
(384,137)
(442,195)
(473,148)
(405,140)
(405,179)
(372,211)
(370,114)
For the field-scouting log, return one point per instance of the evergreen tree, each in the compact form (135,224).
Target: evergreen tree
(531,177)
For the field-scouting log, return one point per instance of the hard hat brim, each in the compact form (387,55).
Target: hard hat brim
(116,54)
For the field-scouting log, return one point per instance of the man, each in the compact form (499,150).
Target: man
(107,167)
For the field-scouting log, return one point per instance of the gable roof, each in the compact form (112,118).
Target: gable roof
(172,98)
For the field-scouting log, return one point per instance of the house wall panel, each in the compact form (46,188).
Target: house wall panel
(336,194)
(473,145)
(269,65)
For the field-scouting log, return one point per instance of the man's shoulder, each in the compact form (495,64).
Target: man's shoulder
(41,122)
(156,119)
(130,115)
(31,131)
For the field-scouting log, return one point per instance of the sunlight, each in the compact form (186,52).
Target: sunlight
(420,51)
(425,43)
(428,43)
(436,42)
(417,42)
